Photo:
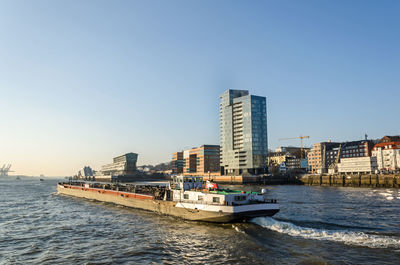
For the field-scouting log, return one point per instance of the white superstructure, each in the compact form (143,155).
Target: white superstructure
(190,193)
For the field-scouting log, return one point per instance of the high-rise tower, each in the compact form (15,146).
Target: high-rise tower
(244,145)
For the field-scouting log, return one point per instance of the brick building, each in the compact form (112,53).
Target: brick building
(201,160)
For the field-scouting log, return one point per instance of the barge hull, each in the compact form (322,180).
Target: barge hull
(148,203)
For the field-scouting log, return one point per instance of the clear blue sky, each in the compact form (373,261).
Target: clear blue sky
(84,81)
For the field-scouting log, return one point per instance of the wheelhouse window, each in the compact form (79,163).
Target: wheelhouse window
(240,198)
(216,199)
(186,196)
(200,198)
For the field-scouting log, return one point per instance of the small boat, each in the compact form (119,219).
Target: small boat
(187,197)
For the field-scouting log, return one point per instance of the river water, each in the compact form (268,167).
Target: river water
(316,225)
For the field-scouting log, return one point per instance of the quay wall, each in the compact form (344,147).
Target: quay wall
(338,180)
(353,180)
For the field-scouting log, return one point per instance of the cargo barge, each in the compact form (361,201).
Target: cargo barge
(186,197)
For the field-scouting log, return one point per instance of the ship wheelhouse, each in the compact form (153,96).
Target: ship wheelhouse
(192,189)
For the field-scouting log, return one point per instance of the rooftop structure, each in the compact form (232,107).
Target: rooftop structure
(387,139)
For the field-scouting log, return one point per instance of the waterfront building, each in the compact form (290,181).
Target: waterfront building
(291,156)
(366,164)
(275,161)
(201,160)
(124,165)
(177,163)
(276,158)
(388,155)
(294,151)
(317,156)
(243,128)
(361,148)
(323,157)
(86,172)
(294,164)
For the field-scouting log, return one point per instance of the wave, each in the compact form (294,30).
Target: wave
(326,225)
(342,236)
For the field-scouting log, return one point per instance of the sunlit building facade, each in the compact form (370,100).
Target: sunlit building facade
(243,125)
(199,160)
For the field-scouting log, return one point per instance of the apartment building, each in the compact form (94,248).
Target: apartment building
(243,125)
(324,156)
(317,157)
(387,155)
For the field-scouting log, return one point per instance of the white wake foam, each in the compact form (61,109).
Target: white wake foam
(346,237)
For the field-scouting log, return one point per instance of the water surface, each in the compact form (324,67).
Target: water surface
(316,225)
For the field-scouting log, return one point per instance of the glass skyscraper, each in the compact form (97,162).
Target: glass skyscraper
(244,145)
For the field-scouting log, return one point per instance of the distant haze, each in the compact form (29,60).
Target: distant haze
(84,81)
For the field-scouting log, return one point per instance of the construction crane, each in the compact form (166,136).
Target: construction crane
(301,142)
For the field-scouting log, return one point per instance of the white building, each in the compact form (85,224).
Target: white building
(86,172)
(122,165)
(388,155)
(358,165)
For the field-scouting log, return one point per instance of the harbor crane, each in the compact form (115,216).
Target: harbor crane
(301,142)
(4,170)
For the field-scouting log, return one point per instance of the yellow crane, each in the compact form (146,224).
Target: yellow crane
(301,142)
